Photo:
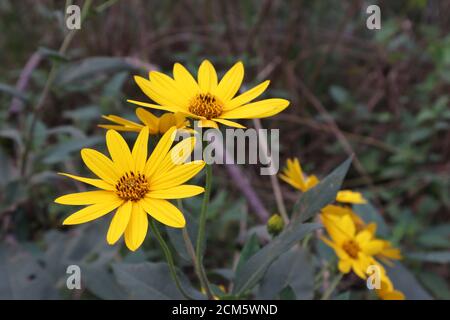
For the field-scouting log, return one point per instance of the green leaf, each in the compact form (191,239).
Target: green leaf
(84,113)
(12,91)
(436,237)
(52,54)
(312,201)
(293,269)
(62,150)
(437,285)
(113,87)
(150,281)
(22,277)
(90,67)
(255,268)
(405,281)
(102,283)
(436,256)
(339,94)
(250,248)
(176,236)
(287,294)
(7,168)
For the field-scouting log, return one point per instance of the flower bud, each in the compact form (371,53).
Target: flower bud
(275,225)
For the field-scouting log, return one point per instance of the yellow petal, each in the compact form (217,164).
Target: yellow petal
(393,295)
(372,228)
(345,266)
(363,237)
(119,151)
(137,227)
(359,269)
(169,108)
(140,150)
(167,121)
(229,123)
(204,123)
(101,184)
(347,225)
(92,212)
(160,151)
(372,247)
(119,222)
(230,83)
(184,78)
(339,230)
(89,197)
(311,182)
(157,93)
(168,87)
(207,77)
(177,176)
(164,212)
(121,120)
(247,96)
(100,165)
(259,109)
(178,192)
(349,196)
(121,128)
(149,119)
(294,183)
(176,156)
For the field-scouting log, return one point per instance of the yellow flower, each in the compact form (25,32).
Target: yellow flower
(156,125)
(293,175)
(355,249)
(206,98)
(135,185)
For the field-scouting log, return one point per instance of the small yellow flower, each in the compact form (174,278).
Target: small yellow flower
(135,185)
(355,250)
(293,175)
(156,125)
(207,99)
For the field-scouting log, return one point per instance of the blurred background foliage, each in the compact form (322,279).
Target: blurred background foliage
(382,95)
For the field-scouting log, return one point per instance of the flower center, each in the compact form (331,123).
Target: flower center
(206,105)
(352,248)
(132,186)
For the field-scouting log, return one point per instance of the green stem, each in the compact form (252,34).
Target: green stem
(332,287)
(201,231)
(169,259)
(191,251)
